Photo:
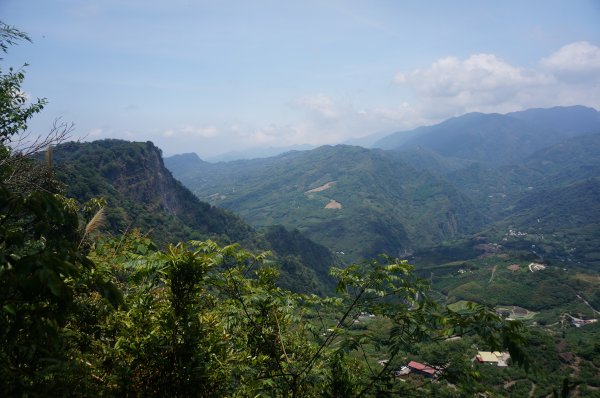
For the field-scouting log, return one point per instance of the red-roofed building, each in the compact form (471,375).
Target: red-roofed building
(422,369)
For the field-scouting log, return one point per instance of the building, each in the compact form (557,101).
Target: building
(422,369)
(495,358)
(577,322)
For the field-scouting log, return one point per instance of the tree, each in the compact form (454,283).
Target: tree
(41,265)
(13,102)
(17,144)
(204,320)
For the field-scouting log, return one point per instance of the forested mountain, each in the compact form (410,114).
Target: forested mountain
(569,121)
(357,201)
(498,139)
(468,175)
(552,194)
(141,193)
(255,153)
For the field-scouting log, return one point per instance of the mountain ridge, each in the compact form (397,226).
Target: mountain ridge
(495,138)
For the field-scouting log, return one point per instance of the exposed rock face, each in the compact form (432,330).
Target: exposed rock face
(133,177)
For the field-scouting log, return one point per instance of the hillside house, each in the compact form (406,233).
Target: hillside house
(422,369)
(577,322)
(494,358)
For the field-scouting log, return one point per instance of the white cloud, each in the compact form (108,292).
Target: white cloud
(273,134)
(329,120)
(192,131)
(477,82)
(486,83)
(402,116)
(448,87)
(579,61)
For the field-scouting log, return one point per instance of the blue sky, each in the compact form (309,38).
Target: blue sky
(212,77)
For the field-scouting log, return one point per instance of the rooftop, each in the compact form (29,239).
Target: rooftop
(422,367)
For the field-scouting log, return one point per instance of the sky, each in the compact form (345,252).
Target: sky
(217,76)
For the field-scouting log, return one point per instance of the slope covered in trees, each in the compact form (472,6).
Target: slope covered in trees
(141,193)
(82,313)
(381,204)
(533,171)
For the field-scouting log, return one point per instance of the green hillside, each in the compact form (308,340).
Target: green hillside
(491,287)
(141,193)
(353,200)
(551,196)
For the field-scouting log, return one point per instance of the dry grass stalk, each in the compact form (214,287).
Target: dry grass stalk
(96,222)
(49,156)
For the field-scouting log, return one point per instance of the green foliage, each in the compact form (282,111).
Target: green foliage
(13,104)
(140,193)
(41,269)
(13,108)
(204,320)
(306,268)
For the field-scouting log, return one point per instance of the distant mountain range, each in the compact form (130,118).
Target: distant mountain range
(255,153)
(466,176)
(495,138)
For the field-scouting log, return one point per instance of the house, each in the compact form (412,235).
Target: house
(577,322)
(422,369)
(495,358)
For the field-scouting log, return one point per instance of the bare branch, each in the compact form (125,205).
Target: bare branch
(60,132)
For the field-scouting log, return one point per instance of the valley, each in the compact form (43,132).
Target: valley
(510,222)
(497,240)
(416,196)
(299,199)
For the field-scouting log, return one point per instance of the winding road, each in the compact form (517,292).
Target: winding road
(588,304)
